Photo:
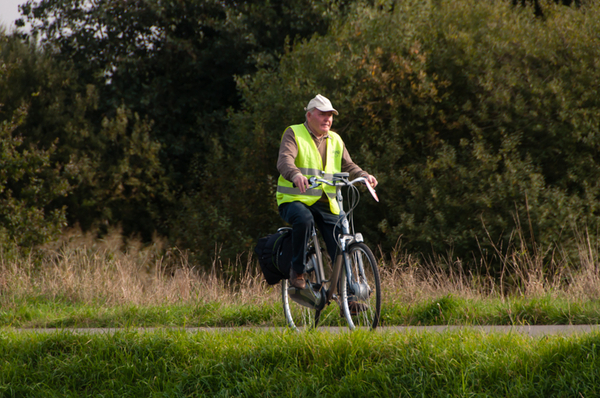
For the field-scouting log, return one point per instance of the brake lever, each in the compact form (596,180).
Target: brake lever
(312,183)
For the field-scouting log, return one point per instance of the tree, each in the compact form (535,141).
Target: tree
(537,7)
(478,119)
(172,63)
(112,166)
(30,182)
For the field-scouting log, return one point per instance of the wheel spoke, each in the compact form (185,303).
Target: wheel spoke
(363,292)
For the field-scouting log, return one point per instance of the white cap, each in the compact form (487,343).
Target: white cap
(322,104)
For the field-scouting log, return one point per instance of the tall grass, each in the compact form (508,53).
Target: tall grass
(528,271)
(81,269)
(84,281)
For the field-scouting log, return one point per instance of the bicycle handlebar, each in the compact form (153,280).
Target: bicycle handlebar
(341,179)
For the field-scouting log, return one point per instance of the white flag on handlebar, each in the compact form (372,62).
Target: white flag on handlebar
(372,191)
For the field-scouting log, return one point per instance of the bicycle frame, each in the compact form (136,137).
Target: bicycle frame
(346,238)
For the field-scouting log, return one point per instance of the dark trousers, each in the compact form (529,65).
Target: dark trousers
(302,218)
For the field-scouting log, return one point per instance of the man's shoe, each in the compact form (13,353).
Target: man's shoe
(355,307)
(297,280)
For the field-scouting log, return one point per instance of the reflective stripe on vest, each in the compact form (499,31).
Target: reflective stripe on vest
(310,163)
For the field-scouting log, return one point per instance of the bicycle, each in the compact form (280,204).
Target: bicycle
(354,273)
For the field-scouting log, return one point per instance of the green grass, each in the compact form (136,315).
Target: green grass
(86,285)
(83,282)
(286,364)
(444,310)
(450,310)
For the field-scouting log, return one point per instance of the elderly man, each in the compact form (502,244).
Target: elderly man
(306,150)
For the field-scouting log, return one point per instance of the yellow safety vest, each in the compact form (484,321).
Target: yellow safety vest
(310,163)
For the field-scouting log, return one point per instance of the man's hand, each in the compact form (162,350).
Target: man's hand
(301,182)
(372,180)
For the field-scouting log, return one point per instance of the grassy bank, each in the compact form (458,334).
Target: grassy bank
(82,282)
(280,364)
(446,310)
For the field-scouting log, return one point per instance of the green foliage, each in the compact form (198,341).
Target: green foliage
(173,64)
(30,181)
(121,180)
(110,160)
(476,117)
(516,128)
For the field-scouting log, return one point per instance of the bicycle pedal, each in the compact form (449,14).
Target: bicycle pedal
(306,297)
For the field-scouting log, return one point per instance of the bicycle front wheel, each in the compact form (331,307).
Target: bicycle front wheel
(361,290)
(298,316)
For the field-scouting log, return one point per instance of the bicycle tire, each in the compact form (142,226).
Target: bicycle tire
(369,300)
(299,317)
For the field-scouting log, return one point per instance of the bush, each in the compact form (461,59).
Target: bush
(476,117)
(29,182)
(109,158)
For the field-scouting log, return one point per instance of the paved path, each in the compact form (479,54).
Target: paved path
(540,330)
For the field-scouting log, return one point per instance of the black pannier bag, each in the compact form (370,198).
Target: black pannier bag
(275,255)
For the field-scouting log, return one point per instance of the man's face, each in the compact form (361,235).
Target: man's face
(319,122)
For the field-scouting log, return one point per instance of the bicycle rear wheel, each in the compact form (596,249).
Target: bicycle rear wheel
(362,293)
(298,316)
